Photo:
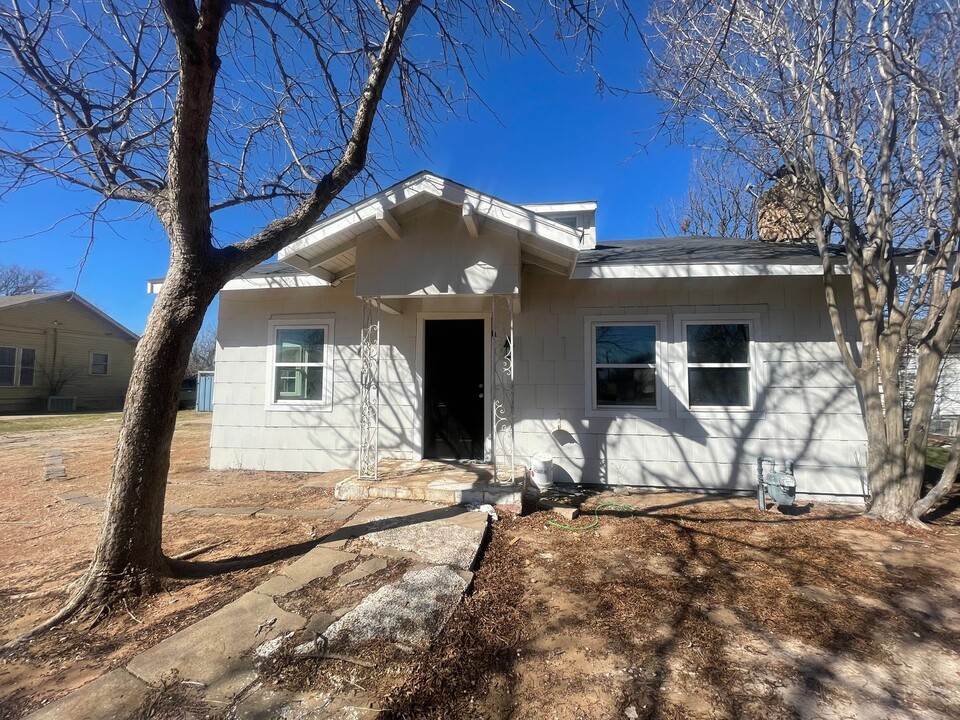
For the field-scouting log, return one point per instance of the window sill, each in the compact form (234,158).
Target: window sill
(295,406)
(634,411)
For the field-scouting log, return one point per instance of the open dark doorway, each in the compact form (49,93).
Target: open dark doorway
(453,389)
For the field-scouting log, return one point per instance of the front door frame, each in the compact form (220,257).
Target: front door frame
(422,317)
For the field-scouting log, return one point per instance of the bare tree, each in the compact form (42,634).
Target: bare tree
(15,280)
(188,108)
(859,100)
(720,202)
(60,373)
(203,352)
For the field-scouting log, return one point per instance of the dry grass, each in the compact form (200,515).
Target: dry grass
(45,543)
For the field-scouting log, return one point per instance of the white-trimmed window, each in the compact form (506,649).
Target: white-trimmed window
(623,365)
(28,367)
(300,363)
(99,363)
(720,370)
(8,366)
(18,366)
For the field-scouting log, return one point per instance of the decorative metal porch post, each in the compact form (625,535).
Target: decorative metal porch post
(369,389)
(501,350)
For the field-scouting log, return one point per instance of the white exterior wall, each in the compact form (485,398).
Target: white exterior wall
(248,434)
(807,408)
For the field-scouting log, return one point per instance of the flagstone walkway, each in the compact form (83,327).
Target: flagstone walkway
(434,547)
(337,513)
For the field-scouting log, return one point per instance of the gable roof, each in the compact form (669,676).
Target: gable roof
(327,250)
(17,301)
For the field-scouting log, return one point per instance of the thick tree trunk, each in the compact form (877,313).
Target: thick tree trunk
(890,496)
(129,557)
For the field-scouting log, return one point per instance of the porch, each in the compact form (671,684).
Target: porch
(438,481)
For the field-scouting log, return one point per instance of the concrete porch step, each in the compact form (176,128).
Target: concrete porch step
(430,488)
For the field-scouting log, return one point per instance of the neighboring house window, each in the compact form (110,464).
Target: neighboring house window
(99,363)
(28,366)
(301,363)
(17,366)
(718,364)
(624,365)
(8,366)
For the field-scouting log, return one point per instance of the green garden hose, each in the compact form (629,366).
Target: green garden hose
(596,516)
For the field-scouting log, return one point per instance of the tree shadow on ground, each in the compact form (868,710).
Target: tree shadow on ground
(705,607)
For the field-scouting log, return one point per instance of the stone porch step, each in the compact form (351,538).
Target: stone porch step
(430,488)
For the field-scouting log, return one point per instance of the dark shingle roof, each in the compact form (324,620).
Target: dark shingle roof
(697,249)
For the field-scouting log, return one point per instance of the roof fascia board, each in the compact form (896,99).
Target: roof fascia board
(71,297)
(277,282)
(584,206)
(31,299)
(366,211)
(694,270)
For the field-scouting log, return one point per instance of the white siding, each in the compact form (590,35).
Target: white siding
(807,408)
(437,256)
(64,334)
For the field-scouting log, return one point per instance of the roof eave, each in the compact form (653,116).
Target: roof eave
(375,209)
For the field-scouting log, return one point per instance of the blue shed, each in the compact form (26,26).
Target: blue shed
(205,391)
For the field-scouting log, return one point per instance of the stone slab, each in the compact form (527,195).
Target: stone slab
(363,570)
(114,696)
(319,562)
(434,534)
(439,543)
(71,495)
(215,646)
(410,612)
(452,493)
(225,690)
(237,511)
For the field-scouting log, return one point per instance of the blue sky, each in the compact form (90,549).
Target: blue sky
(553,139)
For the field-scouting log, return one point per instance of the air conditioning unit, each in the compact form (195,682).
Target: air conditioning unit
(61,403)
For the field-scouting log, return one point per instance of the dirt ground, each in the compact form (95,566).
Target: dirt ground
(686,606)
(45,543)
(697,607)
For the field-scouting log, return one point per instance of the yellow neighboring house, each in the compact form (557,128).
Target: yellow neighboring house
(58,352)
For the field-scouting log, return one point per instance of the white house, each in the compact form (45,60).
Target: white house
(434,321)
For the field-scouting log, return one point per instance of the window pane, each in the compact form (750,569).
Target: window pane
(8,356)
(303,383)
(625,344)
(718,343)
(300,345)
(28,360)
(99,363)
(719,387)
(626,386)
(6,375)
